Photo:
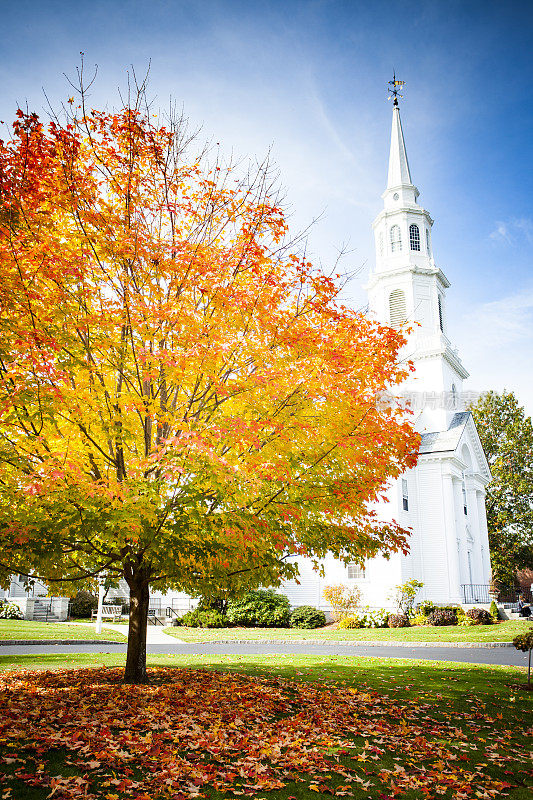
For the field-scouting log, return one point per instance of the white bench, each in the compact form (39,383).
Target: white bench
(111,612)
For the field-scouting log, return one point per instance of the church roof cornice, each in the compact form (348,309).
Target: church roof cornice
(405,269)
(405,209)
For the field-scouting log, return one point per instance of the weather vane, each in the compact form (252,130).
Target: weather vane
(394,93)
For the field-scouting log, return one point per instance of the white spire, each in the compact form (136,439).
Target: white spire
(399,174)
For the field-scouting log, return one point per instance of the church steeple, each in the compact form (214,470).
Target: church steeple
(399,173)
(406,285)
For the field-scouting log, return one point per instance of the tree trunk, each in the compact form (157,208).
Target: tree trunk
(136,657)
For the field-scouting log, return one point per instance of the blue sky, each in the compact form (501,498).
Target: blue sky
(307,78)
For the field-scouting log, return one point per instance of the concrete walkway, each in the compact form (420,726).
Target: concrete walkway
(155,634)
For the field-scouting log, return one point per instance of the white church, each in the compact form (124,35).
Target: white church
(442,499)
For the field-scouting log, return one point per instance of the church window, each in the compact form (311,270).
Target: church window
(405,495)
(395,239)
(428,249)
(441,313)
(414,237)
(454,396)
(355,572)
(381,244)
(398,314)
(465,504)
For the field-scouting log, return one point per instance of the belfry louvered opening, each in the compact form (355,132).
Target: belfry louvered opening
(397,308)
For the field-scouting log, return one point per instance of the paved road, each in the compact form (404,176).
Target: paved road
(497,655)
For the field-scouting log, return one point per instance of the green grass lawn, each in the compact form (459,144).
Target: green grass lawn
(24,629)
(420,729)
(501,632)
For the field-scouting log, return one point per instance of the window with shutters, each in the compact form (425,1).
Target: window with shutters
(395,239)
(405,495)
(355,572)
(441,313)
(414,237)
(428,249)
(397,309)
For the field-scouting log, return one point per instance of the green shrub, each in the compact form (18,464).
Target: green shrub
(398,621)
(427,607)
(307,617)
(83,604)
(493,611)
(443,616)
(203,618)
(419,619)
(260,609)
(10,611)
(480,616)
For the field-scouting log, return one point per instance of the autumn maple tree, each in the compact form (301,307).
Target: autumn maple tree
(184,402)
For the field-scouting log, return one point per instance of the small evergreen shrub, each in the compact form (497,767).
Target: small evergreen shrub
(398,621)
(203,618)
(443,616)
(480,616)
(82,604)
(493,611)
(307,617)
(10,611)
(260,609)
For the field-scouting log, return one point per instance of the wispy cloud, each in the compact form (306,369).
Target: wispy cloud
(513,231)
(502,322)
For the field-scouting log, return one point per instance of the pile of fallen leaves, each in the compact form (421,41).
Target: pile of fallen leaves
(190,731)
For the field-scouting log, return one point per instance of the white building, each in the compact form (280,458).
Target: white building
(443,498)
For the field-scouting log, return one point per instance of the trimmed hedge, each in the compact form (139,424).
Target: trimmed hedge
(260,609)
(307,617)
(203,618)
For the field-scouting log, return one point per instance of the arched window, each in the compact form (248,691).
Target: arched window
(395,239)
(428,248)
(397,308)
(441,313)
(381,244)
(414,237)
